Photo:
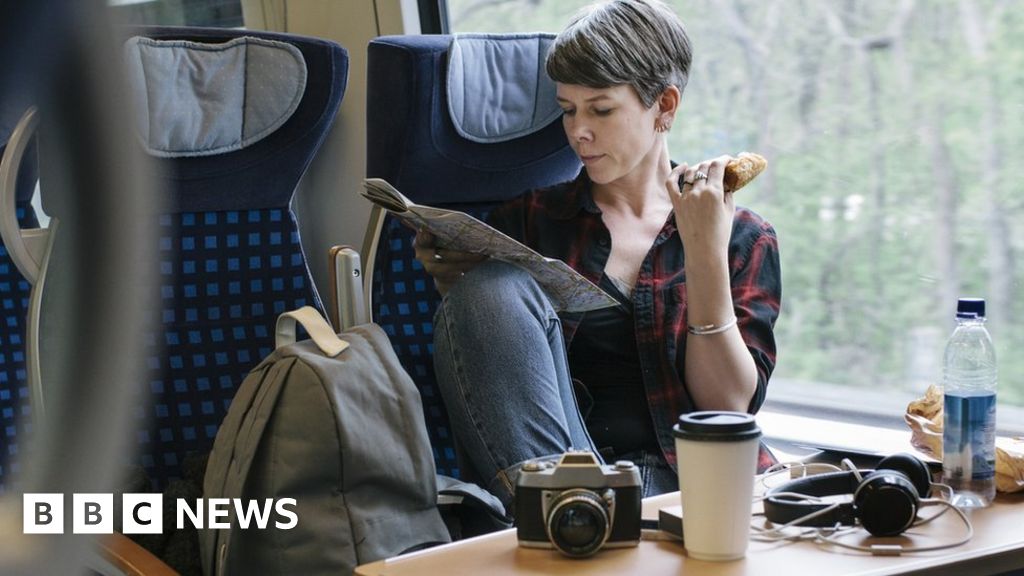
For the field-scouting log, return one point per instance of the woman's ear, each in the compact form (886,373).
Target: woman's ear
(667,103)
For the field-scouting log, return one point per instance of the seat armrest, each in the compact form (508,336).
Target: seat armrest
(348,307)
(130,559)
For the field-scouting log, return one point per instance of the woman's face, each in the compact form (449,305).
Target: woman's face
(609,129)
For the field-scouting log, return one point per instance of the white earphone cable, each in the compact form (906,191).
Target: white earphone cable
(831,535)
(896,549)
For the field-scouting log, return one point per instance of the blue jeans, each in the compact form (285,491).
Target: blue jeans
(501,367)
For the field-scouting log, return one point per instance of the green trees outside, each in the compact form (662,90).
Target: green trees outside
(892,131)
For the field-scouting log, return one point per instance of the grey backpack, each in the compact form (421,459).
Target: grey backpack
(335,423)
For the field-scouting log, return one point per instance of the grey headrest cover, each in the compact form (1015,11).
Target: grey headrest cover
(196,99)
(497,87)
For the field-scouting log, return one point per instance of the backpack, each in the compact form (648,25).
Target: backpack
(335,423)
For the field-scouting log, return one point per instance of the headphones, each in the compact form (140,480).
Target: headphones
(885,500)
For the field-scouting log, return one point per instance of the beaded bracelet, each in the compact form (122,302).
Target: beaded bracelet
(709,329)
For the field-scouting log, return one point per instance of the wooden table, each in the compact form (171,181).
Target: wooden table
(997,546)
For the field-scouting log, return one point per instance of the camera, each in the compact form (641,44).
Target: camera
(578,506)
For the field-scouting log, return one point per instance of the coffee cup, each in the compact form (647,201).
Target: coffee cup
(716,453)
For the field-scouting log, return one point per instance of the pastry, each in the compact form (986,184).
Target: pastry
(742,169)
(924,416)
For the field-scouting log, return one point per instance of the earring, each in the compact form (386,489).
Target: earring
(662,126)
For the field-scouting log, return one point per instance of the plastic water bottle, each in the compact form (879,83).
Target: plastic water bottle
(969,388)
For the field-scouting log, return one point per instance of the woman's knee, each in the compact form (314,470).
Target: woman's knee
(493,284)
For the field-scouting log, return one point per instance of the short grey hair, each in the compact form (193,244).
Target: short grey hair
(637,42)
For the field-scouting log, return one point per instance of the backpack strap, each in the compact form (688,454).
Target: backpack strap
(318,328)
(453,491)
(469,510)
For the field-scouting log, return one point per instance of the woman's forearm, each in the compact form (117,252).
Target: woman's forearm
(720,373)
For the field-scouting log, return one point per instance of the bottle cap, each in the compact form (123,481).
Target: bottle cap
(970,308)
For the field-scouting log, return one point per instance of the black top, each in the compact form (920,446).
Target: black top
(604,357)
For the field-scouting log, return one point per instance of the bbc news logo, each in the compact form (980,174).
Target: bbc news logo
(144,513)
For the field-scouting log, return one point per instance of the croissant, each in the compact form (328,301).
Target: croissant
(742,169)
(924,416)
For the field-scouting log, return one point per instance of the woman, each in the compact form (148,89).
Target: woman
(692,333)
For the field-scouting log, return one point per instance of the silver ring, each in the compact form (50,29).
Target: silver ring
(698,175)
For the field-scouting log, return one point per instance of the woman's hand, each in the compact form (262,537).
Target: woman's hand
(704,210)
(444,265)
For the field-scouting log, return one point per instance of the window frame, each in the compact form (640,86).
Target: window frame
(434,17)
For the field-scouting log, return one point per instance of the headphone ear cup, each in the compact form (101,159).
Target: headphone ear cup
(913,468)
(886,503)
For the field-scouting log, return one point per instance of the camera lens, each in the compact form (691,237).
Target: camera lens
(577,523)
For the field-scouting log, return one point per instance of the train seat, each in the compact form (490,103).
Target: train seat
(232,120)
(462,122)
(15,405)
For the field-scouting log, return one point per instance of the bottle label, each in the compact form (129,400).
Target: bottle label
(968,436)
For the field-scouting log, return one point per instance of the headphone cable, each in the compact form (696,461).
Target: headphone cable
(897,549)
(775,533)
(831,535)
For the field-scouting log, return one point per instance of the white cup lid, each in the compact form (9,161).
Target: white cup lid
(716,426)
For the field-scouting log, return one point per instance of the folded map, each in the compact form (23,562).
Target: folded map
(568,290)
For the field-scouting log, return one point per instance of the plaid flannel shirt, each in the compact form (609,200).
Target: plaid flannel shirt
(564,222)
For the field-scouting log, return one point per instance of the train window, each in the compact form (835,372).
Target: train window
(215,13)
(890,129)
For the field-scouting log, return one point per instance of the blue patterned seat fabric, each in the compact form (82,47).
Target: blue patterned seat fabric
(413,144)
(405,302)
(225,277)
(230,260)
(15,406)
(15,409)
